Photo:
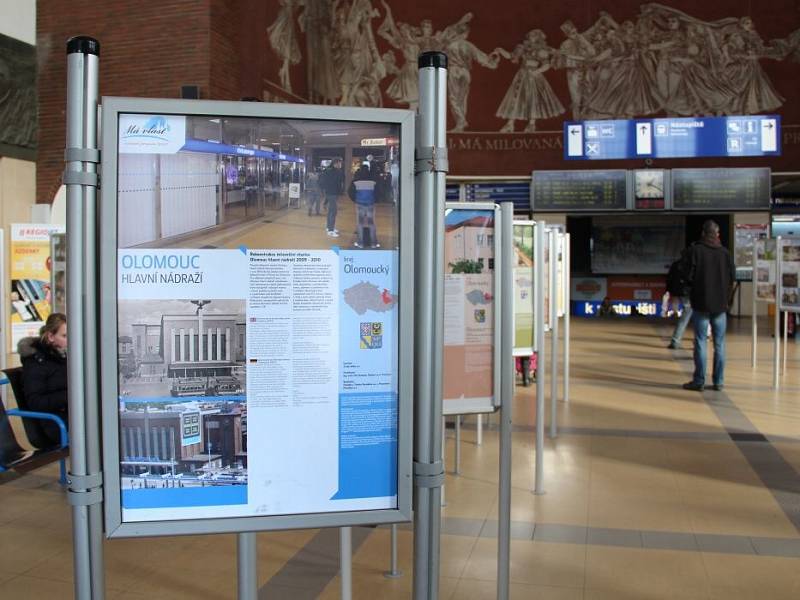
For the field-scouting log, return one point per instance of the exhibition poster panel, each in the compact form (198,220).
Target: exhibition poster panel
(524,299)
(469,305)
(789,274)
(58,273)
(765,270)
(745,235)
(560,273)
(31,267)
(257,346)
(546,266)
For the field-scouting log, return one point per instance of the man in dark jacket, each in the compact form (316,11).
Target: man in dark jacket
(711,274)
(331,182)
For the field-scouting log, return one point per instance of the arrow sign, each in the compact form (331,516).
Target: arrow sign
(769,139)
(575,140)
(644,139)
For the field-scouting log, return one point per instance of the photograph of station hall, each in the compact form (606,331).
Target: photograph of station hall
(183,414)
(225,182)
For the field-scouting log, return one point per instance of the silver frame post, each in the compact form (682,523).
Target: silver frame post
(553,242)
(538,487)
(754,311)
(81,180)
(247,566)
(393,572)
(566,266)
(346,562)
(507,381)
(776,357)
(457,467)
(430,170)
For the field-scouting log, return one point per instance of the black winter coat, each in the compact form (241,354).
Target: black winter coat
(711,274)
(44,380)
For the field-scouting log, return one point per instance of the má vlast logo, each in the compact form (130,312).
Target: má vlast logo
(155,127)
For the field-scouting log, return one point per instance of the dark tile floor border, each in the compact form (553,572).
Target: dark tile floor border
(775,472)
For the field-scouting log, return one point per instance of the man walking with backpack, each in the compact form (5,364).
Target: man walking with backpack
(679,291)
(711,274)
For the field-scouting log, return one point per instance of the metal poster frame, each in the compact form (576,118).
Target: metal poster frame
(776,348)
(527,350)
(782,243)
(464,406)
(561,299)
(113,107)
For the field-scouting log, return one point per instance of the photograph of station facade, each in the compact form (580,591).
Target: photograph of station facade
(182,388)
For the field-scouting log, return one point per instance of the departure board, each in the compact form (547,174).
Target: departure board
(579,191)
(721,189)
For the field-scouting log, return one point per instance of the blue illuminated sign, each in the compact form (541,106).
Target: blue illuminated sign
(193,145)
(756,135)
(619,308)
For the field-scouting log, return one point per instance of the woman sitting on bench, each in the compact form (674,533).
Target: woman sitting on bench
(44,371)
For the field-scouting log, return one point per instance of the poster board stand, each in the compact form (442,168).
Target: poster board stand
(767,289)
(430,171)
(565,280)
(85,492)
(553,241)
(539,290)
(507,381)
(788,287)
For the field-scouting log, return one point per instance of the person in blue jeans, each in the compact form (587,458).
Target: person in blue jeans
(711,274)
(679,292)
(331,182)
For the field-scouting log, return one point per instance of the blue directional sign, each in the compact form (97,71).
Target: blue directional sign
(756,135)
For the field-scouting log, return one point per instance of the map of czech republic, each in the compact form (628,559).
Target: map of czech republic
(366,296)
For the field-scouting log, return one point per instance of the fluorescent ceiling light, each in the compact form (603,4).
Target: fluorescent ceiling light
(336,134)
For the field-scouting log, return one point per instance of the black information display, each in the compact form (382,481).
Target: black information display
(721,189)
(579,191)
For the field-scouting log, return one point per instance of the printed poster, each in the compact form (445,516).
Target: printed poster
(524,297)
(297,347)
(765,269)
(257,361)
(31,267)
(469,282)
(789,274)
(745,235)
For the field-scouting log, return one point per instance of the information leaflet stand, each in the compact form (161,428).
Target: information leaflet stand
(788,285)
(765,284)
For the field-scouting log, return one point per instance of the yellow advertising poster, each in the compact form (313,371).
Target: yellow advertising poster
(31,296)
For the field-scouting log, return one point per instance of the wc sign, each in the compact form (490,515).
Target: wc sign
(151,134)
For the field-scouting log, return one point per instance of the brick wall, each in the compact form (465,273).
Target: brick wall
(147,48)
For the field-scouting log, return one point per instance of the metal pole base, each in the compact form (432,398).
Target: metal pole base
(393,574)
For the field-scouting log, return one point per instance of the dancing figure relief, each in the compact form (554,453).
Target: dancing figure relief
(283,40)
(662,61)
(530,96)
